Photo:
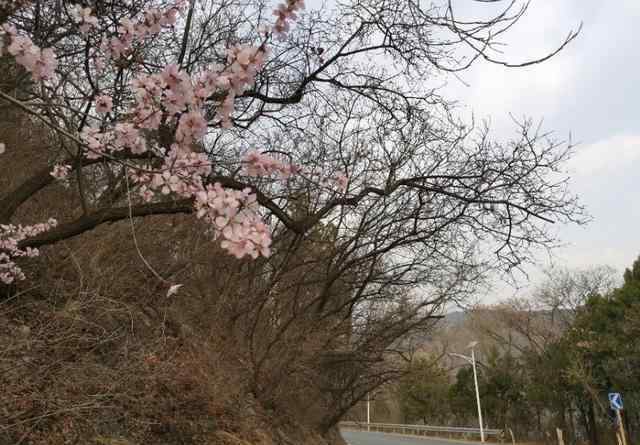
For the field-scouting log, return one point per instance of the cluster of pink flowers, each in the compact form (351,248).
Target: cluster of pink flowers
(342,181)
(177,89)
(338,181)
(83,17)
(10,238)
(130,32)
(191,127)
(126,135)
(147,112)
(104,104)
(258,164)
(41,63)
(244,62)
(233,214)
(95,142)
(174,92)
(60,171)
(181,173)
(173,97)
(123,136)
(284,12)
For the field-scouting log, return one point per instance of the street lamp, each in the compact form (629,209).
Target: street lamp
(368,411)
(472,360)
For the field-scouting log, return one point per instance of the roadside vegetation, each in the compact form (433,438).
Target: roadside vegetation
(545,361)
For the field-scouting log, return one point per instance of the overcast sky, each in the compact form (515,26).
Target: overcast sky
(590,90)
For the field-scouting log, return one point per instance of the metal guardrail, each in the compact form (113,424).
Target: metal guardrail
(423,430)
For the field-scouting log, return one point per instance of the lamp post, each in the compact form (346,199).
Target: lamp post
(368,411)
(472,360)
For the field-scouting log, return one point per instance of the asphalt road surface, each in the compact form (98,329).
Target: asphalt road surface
(365,438)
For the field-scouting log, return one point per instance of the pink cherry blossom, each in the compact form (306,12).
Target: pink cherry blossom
(147,117)
(224,113)
(10,238)
(258,164)
(342,180)
(127,136)
(83,17)
(146,194)
(243,233)
(45,65)
(60,171)
(171,75)
(104,104)
(94,140)
(100,64)
(192,126)
(130,31)
(40,63)
(284,13)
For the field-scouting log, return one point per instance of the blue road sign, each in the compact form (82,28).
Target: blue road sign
(615,400)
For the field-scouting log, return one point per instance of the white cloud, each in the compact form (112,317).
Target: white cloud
(580,257)
(607,156)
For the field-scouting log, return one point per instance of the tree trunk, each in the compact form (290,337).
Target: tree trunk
(593,427)
(584,419)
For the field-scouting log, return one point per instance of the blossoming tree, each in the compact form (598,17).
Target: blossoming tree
(227,108)
(312,144)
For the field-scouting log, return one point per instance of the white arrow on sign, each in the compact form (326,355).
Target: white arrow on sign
(615,400)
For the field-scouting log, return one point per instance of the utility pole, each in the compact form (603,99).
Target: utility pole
(475,378)
(472,361)
(623,435)
(368,411)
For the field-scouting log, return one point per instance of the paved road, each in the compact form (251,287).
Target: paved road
(364,438)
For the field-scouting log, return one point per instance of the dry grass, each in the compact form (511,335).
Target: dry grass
(92,350)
